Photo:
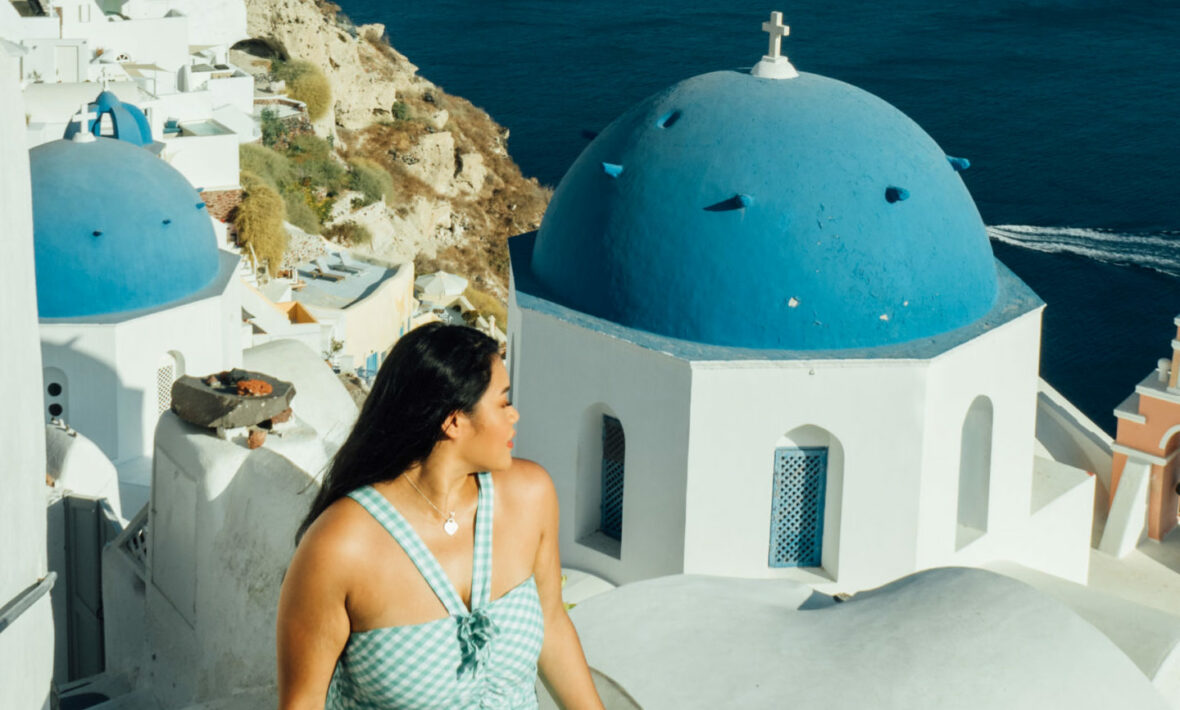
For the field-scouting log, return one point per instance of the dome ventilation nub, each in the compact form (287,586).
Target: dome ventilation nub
(736,202)
(668,119)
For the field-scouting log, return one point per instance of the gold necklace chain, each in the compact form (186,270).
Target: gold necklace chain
(450,525)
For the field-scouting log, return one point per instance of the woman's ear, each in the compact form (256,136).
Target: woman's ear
(450,425)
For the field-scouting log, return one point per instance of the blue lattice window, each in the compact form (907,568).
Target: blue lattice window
(614,448)
(797,507)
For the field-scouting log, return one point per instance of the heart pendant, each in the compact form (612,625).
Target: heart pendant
(450,527)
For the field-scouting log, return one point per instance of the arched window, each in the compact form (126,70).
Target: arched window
(170,369)
(797,510)
(975,467)
(56,394)
(614,449)
(602,455)
(807,488)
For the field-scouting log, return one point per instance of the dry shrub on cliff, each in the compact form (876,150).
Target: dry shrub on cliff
(315,164)
(270,165)
(383,144)
(306,83)
(300,212)
(480,259)
(349,233)
(259,222)
(396,136)
(515,203)
(371,179)
(487,306)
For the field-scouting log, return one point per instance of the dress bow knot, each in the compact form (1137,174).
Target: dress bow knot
(475,631)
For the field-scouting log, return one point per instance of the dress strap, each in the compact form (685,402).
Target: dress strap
(384,512)
(481,571)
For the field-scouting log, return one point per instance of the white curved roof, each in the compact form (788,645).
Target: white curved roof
(944,638)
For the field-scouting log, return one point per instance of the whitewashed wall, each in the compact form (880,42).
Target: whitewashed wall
(1001,365)
(375,323)
(566,377)
(162,41)
(207,162)
(236,91)
(111,367)
(222,527)
(741,411)
(211,22)
(26,646)
(698,493)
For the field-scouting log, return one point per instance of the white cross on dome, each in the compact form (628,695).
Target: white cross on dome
(83,118)
(777,30)
(774,65)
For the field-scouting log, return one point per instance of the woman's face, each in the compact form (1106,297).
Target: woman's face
(493,424)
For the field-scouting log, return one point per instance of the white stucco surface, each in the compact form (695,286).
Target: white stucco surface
(1070,437)
(110,363)
(930,461)
(1126,522)
(26,646)
(951,637)
(222,525)
(1148,575)
(222,533)
(560,428)
(78,466)
(320,400)
(1149,637)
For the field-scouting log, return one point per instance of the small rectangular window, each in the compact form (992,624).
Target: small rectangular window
(797,507)
(613,455)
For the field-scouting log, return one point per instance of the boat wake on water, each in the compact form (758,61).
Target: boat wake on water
(1159,251)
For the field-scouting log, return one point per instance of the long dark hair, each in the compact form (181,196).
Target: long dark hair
(432,372)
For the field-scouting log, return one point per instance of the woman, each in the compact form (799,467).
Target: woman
(392,599)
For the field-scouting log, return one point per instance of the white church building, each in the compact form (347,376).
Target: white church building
(132,291)
(757,376)
(802,362)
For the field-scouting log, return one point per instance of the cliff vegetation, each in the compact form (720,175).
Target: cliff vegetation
(390,164)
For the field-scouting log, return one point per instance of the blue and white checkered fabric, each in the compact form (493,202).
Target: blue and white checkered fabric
(483,658)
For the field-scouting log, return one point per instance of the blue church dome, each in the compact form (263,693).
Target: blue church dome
(115,229)
(742,211)
(127,121)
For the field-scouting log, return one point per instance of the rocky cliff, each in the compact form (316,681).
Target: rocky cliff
(459,195)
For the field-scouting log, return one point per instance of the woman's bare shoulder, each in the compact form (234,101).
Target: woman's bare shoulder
(340,538)
(527,482)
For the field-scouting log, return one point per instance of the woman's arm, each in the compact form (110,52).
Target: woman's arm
(562,664)
(313,624)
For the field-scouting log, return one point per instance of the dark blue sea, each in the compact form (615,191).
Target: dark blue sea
(1069,111)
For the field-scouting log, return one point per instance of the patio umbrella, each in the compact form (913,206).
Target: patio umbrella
(440,288)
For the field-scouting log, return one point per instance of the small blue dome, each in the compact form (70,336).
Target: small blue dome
(115,229)
(127,120)
(762,213)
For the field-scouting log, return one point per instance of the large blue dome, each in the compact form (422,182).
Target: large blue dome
(766,213)
(115,229)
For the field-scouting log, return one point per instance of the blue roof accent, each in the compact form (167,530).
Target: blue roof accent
(129,122)
(1013,299)
(115,229)
(761,217)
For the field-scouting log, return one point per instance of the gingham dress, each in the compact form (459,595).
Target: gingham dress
(485,658)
